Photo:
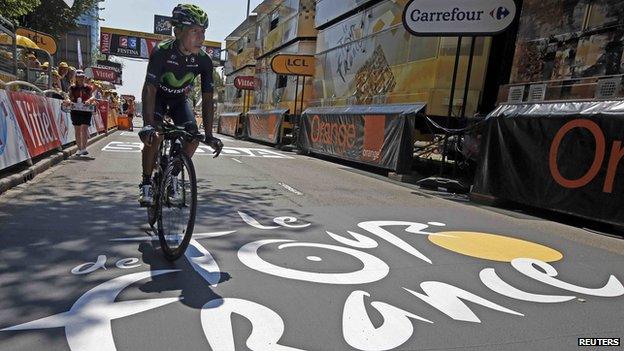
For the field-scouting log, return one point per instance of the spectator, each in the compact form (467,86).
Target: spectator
(81,93)
(56,81)
(63,70)
(71,76)
(98,90)
(32,61)
(43,78)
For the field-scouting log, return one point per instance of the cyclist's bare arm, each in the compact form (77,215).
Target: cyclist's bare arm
(207,112)
(149,103)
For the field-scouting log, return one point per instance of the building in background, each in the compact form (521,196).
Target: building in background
(283,27)
(240,48)
(567,50)
(88,33)
(365,56)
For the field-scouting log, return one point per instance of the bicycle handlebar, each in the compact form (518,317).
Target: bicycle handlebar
(171,132)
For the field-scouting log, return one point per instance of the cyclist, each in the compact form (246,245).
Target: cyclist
(173,67)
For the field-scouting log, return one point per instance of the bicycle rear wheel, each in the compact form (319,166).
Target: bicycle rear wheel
(177,213)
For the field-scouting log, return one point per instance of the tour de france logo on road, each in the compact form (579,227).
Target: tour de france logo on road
(88,322)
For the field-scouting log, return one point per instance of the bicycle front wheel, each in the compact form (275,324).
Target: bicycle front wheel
(178,205)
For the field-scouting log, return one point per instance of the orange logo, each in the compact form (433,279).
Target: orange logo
(338,134)
(617,152)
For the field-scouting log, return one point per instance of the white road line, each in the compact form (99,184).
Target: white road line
(291,189)
(237,160)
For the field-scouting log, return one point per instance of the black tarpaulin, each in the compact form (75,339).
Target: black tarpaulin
(562,156)
(378,135)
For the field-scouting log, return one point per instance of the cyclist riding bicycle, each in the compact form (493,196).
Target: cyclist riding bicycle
(173,67)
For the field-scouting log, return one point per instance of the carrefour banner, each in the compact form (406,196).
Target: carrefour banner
(35,117)
(378,135)
(559,156)
(13,149)
(63,122)
(265,125)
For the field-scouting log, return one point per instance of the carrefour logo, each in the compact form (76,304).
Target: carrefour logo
(500,13)
(458,17)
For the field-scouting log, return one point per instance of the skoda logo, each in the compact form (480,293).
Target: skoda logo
(499,13)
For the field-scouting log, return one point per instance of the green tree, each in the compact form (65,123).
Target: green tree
(54,16)
(13,10)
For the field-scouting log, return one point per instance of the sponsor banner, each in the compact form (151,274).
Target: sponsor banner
(98,122)
(228,123)
(245,82)
(162,25)
(36,120)
(13,149)
(104,74)
(559,156)
(265,125)
(44,41)
(376,135)
(102,108)
(134,44)
(296,65)
(64,126)
(113,66)
(458,17)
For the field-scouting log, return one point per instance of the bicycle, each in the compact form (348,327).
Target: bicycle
(174,220)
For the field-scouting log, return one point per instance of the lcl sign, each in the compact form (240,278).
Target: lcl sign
(245,82)
(294,65)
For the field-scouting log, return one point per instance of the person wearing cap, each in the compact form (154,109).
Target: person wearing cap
(63,69)
(81,93)
(56,81)
(43,78)
(32,61)
(70,77)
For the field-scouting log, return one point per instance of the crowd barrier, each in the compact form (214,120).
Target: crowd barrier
(376,135)
(32,124)
(560,156)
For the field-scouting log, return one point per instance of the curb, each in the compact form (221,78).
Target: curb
(43,165)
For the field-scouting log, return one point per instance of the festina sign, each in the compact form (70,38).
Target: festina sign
(458,17)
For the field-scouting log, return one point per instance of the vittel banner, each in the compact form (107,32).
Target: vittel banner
(458,17)
(36,120)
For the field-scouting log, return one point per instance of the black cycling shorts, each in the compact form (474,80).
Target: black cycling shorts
(179,110)
(80,118)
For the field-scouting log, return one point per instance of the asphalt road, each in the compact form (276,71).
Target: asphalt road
(291,253)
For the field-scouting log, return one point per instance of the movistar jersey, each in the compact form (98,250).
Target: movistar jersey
(174,73)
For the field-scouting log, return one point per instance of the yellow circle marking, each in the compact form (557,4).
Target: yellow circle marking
(493,247)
